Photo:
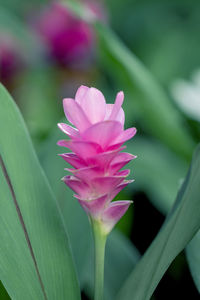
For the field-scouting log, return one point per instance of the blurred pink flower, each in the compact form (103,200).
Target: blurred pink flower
(96,142)
(10,58)
(67,38)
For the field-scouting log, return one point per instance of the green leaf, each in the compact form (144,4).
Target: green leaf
(159,116)
(180,226)
(121,255)
(193,257)
(35,257)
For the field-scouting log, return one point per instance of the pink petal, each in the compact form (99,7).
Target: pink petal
(63,143)
(114,147)
(104,185)
(123,173)
(104,159)
(73,160)
(118,189)
(82,90)
(123,156)
(94,207)
(87,173)
(78,186)
(69,130)
(75,114)
(120,116)
(120,160)
(124,136)
(116,107)
(113,213)
(84,150)
(109,108)
(103,133)
(94,105)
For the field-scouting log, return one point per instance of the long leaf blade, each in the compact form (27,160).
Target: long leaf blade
(193,257)
(40,216)
(159,116)
(179,228)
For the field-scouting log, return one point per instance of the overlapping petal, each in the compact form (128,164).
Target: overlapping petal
(104,159)
(83,149)
(87,173)
(79,187)
(120,160)
(117,106)
(94,207)
(124,136)
(94,105)
(69,130)
(74,160)
(103,133)
(106,184)
(96,144)
(75,114)
(113,213)
(82,90)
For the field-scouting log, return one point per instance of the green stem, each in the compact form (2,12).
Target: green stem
(100,242)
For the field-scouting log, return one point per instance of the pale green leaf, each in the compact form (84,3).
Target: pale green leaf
(193,257)
(180,226)
(159,116)
(35,257)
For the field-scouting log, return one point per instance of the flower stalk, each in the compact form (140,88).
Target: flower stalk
(100,238)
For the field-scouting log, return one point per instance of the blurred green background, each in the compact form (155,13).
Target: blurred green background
(46,53)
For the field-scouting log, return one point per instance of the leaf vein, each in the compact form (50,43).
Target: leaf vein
(23,225)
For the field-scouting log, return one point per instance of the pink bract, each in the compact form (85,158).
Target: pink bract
(96,144)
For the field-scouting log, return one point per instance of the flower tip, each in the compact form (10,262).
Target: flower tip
(59,125)
(129,181)
(120,93)
(65,100)
(59,143)
(84,87)
(120,98)
(134,130)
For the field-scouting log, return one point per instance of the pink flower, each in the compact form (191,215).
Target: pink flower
(67,38)
(96,143)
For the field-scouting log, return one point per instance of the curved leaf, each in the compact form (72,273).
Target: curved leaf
(193,257)
(35,257)
(159,117)
(180,226)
